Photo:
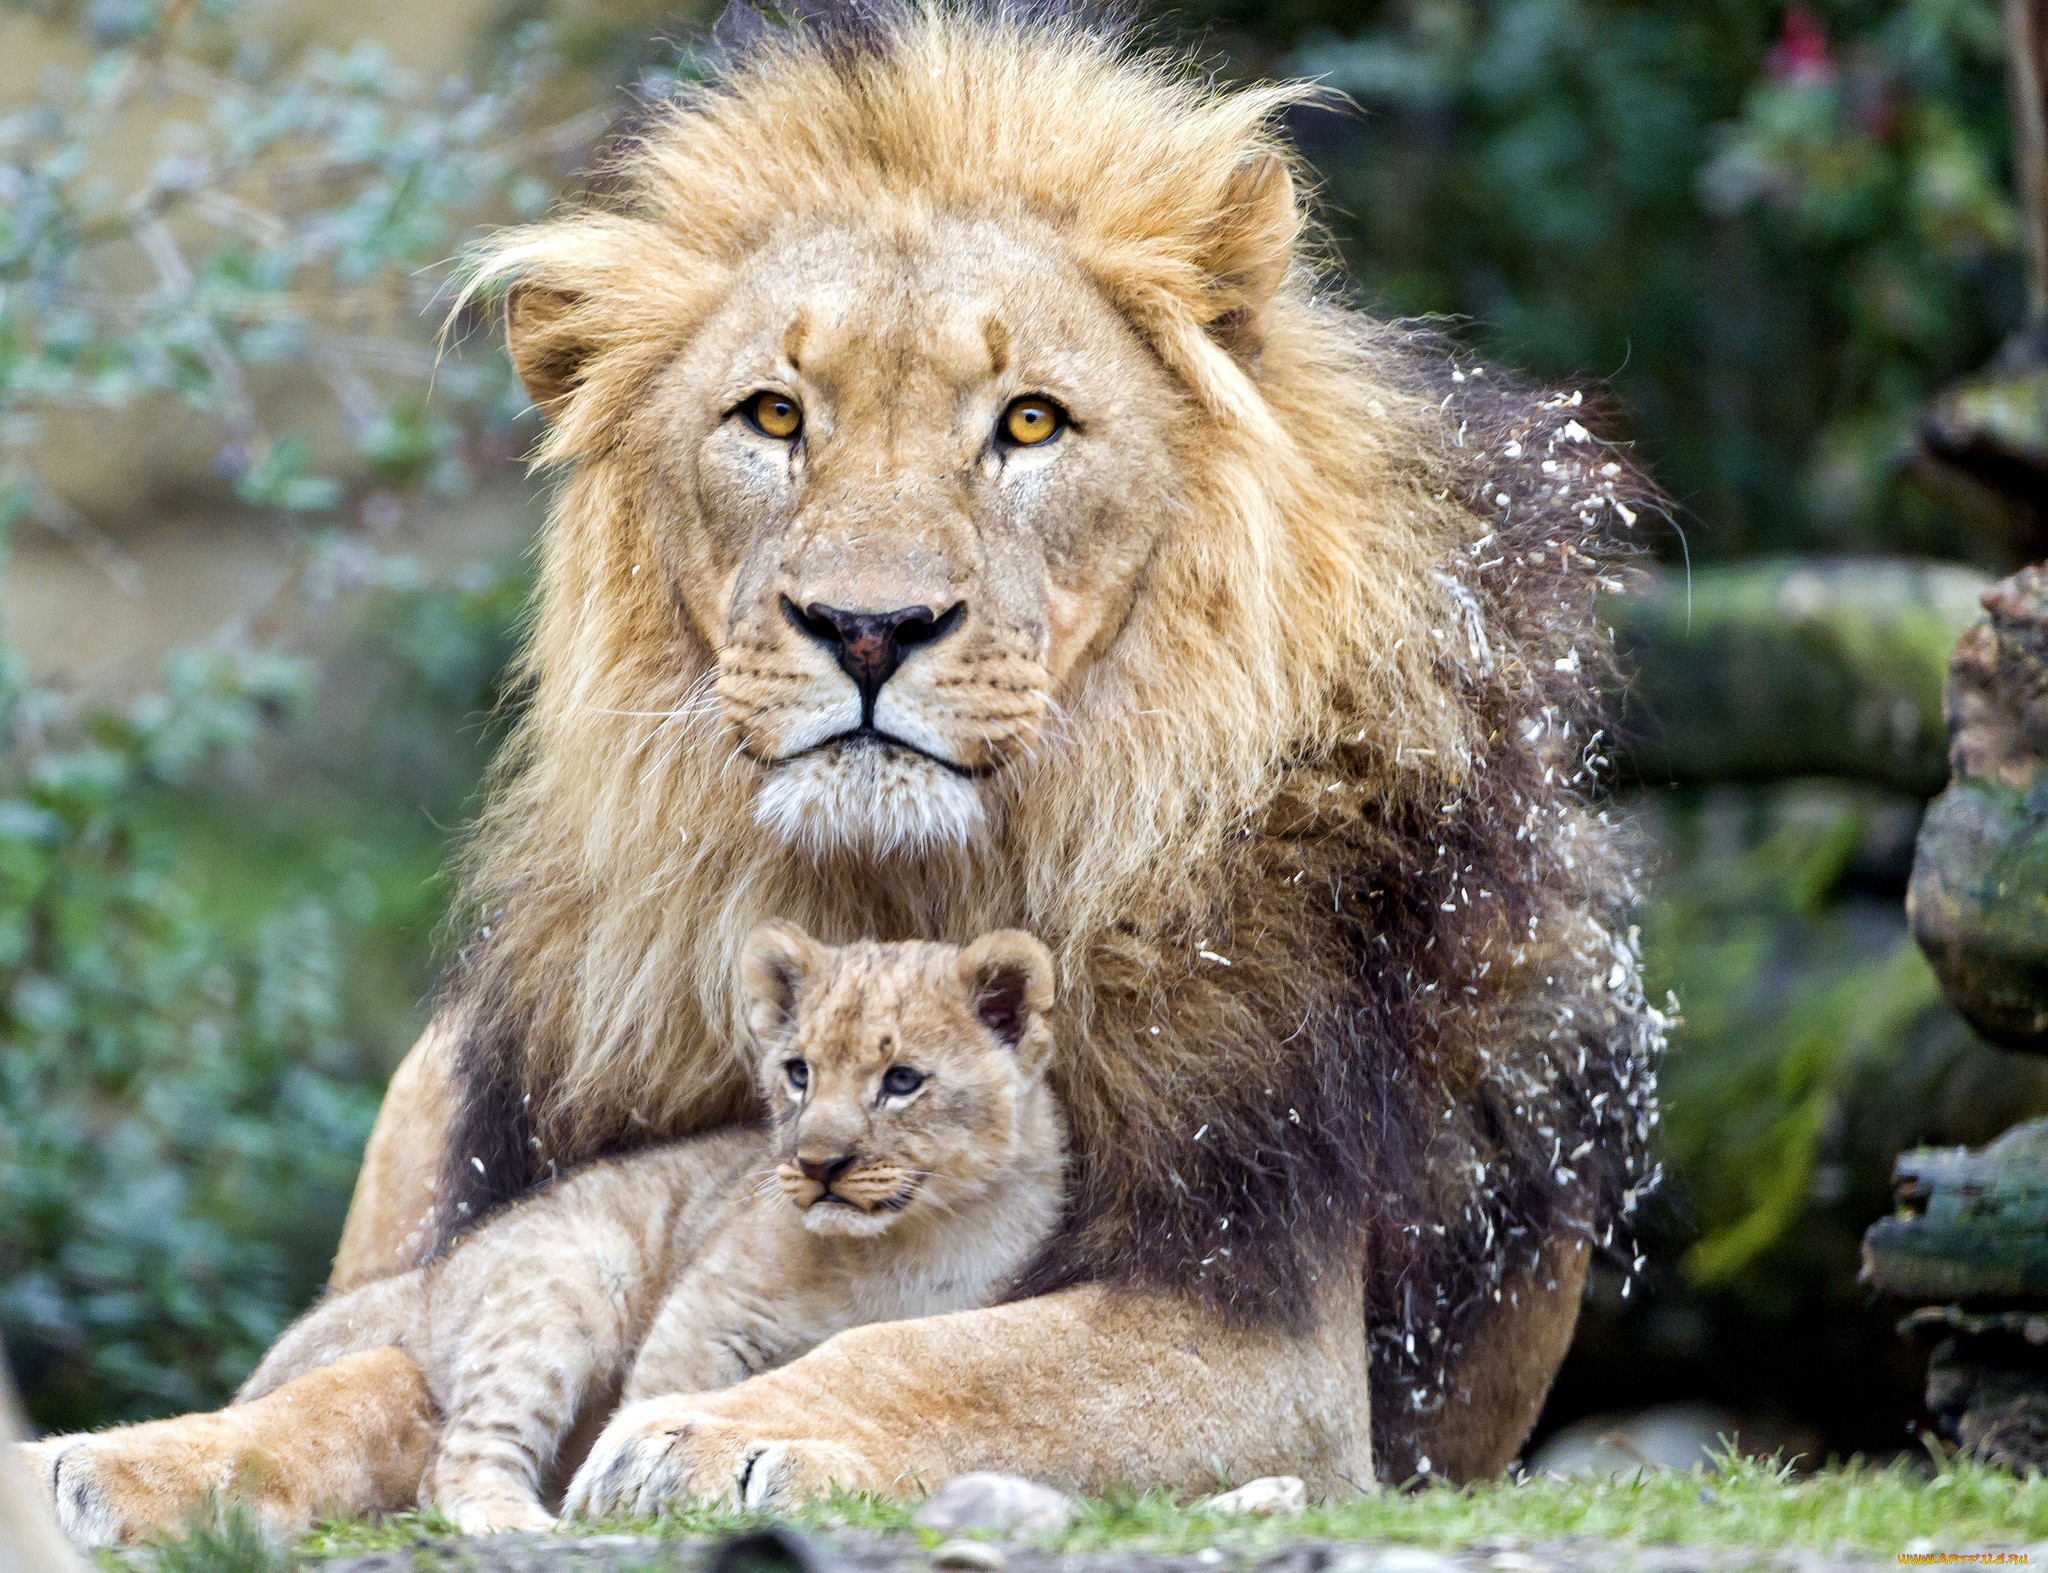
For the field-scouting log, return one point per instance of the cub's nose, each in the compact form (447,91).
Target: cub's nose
(869,646)
(825,1170)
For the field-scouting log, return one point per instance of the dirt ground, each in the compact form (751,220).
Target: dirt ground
(854,1552)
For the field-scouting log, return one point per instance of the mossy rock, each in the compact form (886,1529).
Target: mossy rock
(1972,1227)
(1978,904)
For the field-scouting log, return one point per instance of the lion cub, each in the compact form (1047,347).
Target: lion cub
(910,1164)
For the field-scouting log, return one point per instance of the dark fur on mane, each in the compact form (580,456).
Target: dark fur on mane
(1457,1126)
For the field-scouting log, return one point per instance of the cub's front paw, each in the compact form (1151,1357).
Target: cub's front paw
(497,1515)
(661,1451)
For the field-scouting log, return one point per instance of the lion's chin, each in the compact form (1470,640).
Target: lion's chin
(846,1221)
(868,800)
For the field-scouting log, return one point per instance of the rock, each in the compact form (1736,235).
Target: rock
(1972,1227)
(1271,1496)
(1993,427)
(1667,1436)
(1979,908)
(968,1556)
(1978,902)
(1004,1504)
(1972,1230)
(1404,1559)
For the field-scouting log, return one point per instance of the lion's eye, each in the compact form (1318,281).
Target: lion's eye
(1031,421)
(899,1081)
(774,415)
(798,1072)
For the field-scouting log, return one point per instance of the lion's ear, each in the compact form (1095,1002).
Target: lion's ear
(778,960)
(1008,976)
(545,332)
(1247,249)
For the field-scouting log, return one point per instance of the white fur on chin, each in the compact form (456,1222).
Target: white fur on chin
(852,1223)
(868,800)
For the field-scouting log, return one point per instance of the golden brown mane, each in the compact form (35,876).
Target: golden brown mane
(1341,742)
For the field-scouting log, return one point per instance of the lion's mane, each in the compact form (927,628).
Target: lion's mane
(1339,924)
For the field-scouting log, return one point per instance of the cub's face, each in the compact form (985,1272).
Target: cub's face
(923,468)
(897,1075)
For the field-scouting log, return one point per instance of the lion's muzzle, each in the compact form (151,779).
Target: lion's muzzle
(870,646)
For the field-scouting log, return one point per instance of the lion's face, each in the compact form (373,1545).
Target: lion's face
(899,1077)
(912,473)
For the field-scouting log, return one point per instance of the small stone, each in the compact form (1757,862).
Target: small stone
(1412,1559)
(1004,1504)
(1270,1496)
(1209,1557)
(968,1556)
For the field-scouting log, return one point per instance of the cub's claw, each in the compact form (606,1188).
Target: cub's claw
(659,1452)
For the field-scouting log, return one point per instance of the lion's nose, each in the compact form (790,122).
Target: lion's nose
(825,1170)
(870,646)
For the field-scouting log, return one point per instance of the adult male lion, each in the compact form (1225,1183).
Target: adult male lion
(976,512)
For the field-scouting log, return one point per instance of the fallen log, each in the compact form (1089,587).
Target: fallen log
(1774,670)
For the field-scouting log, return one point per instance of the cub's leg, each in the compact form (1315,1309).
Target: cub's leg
(527,1327)
(707,1336)
(350,1438)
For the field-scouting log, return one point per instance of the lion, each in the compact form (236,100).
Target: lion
(910,1166)
(979,507)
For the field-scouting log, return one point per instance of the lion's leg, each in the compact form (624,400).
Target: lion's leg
(1498,1384)
(390,1225)
(1085,1389)
(350,1438)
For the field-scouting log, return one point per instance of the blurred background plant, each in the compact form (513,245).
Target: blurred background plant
(1770,233)
(207,951)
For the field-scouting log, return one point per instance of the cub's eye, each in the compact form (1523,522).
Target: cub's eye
(1031,420)
(774,415)
(798,1072)
(900,1081)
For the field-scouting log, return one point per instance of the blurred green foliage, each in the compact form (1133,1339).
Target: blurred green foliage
(1815,1047)
(289,221)
(176,1108)
(215,917)
(1773,231)
(211,952)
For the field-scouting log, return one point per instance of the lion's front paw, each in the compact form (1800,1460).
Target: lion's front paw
(100,1499)
(662,1451)
(776,1474)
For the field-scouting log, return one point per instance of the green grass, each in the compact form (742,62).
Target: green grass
(1741,1503)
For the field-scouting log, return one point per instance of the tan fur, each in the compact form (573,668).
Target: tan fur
(347,1439)
(1084,1388)
(390,1223)
(685,1268)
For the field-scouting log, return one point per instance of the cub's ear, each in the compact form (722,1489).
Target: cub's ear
(548,341)
(1008,976)
(778,961)
(1247,249)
